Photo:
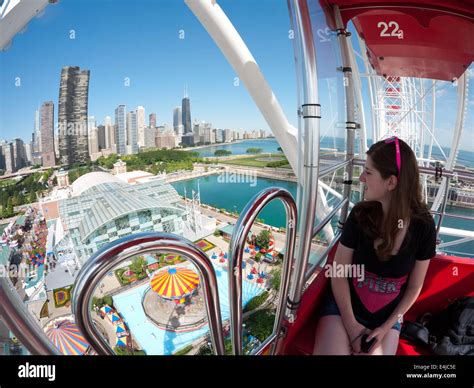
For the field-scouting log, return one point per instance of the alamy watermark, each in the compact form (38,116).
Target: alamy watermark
(72,129)
(238,177)
(17,271)
(335,270)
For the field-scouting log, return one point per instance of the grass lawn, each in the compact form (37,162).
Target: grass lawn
(252,161)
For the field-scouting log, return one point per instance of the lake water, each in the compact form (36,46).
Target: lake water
(465,158)
(234,197)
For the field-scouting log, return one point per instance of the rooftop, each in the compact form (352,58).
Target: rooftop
(90,180)
(107,199)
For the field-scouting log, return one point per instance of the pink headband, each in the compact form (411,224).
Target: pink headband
(397,149)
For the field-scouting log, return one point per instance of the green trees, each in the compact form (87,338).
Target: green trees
(260,324)
(21,192)
(254,150)
(155,161)
(222,153)
(99,302)
(255,302)
(275,278)
(138,265)
(278,163)
(263,239)
(78,172)
(123,351)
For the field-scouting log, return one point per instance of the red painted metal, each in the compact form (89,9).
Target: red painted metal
(423,38)
(447,279)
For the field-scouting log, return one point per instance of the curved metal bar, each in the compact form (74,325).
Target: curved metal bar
(116,253)
(236,252)
(21,322)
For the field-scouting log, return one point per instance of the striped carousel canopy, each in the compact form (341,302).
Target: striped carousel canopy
(174,283)
(66,337)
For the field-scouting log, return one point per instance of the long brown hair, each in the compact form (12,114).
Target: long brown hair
(406,201)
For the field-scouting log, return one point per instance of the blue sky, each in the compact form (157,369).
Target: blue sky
(139,40)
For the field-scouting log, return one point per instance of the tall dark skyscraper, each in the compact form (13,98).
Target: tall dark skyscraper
(72,115)
(186,113)
(101,134)
(47,134)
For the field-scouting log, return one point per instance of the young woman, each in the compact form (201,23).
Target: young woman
(391,237)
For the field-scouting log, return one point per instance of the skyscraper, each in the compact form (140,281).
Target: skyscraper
(140,112)
(152,118)
(9,158)
(19,154)
(37,132)
(48,156)
(132,133)
(93,136)
(101,134)
(120,129)
(177,121)
(72,116)
(110,142)
(186,113)
(2,156)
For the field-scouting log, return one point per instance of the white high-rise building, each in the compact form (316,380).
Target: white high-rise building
(197,130)
(228,135)
(208,135)
(120,130)
(178,122)
(132,144)
(37,132)
(29,152)
(93,135)
(150,135)
(110,142)
(141,125)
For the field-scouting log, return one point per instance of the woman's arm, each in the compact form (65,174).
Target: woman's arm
(415,284)
(341,291)
(340,286)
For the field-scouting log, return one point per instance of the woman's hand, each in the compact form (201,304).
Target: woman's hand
(379,334)
(355,332)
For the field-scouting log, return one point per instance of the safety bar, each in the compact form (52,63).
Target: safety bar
(236,252)
(459,174)
(468,218)
(21,322)
(334,167)
(329,248)
(328,218)
(119,251)
(445,201)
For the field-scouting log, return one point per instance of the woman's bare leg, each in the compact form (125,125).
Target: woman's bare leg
(331,337)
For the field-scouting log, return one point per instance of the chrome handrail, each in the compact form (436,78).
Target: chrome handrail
(236,252)
(21,322)
(320,226)
(119,251)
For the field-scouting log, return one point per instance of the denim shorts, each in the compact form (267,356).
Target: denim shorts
(329,307)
